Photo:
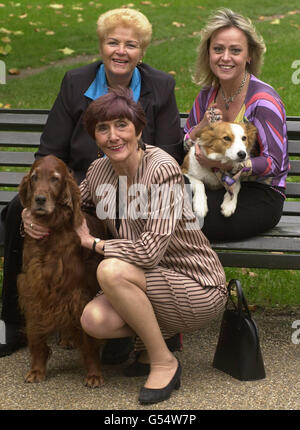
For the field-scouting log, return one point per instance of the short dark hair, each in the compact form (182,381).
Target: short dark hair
(117,103)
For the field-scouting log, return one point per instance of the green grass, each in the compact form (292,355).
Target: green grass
(173,50)
(262,287)
(266,287)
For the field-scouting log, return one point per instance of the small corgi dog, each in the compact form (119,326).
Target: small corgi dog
(224,142)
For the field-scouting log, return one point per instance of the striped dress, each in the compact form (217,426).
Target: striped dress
(159,233)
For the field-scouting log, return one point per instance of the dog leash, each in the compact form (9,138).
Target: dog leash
(228,180)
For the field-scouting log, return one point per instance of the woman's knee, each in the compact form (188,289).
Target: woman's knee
(113,273)
(99,319)
(110,272)
(92,319)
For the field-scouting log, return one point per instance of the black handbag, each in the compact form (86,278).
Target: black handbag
(238,351)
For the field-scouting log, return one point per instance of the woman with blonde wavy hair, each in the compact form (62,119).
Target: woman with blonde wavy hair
(222,19)
(230,57)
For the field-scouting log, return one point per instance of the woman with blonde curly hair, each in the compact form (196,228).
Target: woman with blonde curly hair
(129,18)
(230,57)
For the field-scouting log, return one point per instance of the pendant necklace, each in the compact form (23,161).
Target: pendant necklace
(231,98)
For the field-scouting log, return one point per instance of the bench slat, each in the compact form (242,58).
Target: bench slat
(260,260)
(11,179)
(291,208)
(289,212)
(285,229)
(295,167)
(292,189)
(25,118)
(290,219)
(293,125)
(6,196)
(20,138)
(39,117)
(20,159)
(263,243)
(22,121)
(294,147)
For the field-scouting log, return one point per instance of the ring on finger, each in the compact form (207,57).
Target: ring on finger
(212,115)
(31,225)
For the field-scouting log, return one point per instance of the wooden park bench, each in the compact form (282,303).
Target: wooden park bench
(278,248)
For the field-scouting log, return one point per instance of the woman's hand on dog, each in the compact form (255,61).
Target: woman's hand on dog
(84,234)
(32,228)
(206,162)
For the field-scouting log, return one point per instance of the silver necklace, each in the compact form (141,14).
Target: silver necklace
(231,98)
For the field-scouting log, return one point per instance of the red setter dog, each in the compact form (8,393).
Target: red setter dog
(53,286)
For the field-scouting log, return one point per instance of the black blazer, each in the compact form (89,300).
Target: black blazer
(65,136)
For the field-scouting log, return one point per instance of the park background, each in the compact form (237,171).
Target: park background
(40,40)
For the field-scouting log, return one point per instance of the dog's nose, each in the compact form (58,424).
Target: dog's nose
(40,199)
(241,155)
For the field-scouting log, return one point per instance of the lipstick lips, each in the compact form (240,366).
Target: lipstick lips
(226,67)
(119,61)
(116,147)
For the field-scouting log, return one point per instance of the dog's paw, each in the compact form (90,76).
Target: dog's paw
(35,376)
(228,207)
(200,209)
(94,381)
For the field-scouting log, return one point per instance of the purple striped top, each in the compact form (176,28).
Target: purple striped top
(264,108)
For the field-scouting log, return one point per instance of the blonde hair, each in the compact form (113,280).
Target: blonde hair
(128,18)
(226,18)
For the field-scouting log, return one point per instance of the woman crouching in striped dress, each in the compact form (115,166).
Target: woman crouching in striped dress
(159,275)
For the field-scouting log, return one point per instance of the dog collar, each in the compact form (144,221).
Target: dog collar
(227,179)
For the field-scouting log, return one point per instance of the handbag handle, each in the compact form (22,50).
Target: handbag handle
(242,302)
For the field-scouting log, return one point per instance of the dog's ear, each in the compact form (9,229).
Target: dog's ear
(25,191)
(71,198)
(251,132)
(207,135)
(205,129)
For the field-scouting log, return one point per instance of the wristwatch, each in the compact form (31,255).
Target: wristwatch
(96,240)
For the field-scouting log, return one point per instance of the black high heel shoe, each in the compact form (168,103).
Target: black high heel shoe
(155,395)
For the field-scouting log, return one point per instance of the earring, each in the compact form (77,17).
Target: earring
(141,145)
